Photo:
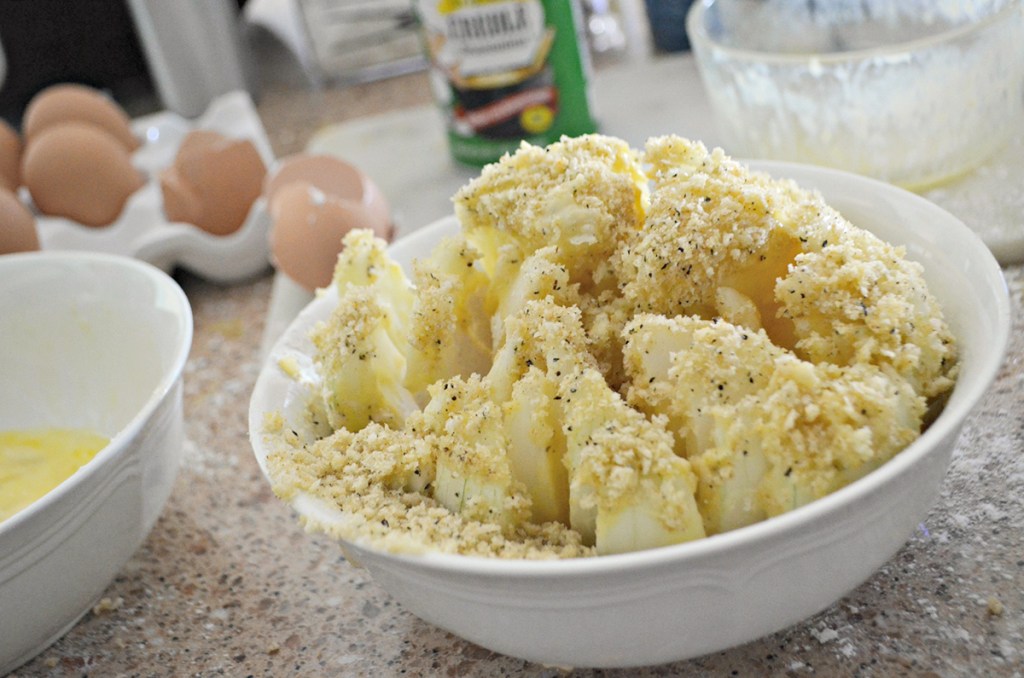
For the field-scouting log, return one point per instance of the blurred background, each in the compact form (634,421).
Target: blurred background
(154,54)
(95,43)
(868,86)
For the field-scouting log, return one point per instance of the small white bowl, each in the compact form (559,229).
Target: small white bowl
(94,341)
(683,601)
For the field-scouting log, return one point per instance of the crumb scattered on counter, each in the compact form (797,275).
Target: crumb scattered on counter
(107,605)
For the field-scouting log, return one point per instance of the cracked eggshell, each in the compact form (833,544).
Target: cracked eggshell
(10,157)
(334,177)
(17,225)
(78,171)
(313,202)
(213,181)
(67,102)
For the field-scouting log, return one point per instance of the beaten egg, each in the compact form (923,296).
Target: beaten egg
(34,461)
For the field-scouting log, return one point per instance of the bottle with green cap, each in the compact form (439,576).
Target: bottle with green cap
(505,71)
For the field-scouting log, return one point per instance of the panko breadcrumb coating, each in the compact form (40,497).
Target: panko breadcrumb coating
(364,478)
(757,421)
(620,351)
(854,299)
(363,363)
(578,199)
(579,195)
(628,489)
(828,290)
(708,217)
(450,328)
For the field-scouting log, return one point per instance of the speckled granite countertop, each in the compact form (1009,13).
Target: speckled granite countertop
(228,583)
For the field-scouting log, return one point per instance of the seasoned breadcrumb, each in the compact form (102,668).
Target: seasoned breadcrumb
(538,276)
(450,328)
(474,477)
(681,366)
(766,431)
(836,293)
(706,219)
(579,195)
(369,480)
(364,263)
(822,426)
(542,334)
(609,359)
(361,356)
(579,199)
(628,490)
(855,299)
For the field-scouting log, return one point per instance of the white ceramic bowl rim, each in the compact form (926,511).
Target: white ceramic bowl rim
(967,392)
(697,30)
(118,442)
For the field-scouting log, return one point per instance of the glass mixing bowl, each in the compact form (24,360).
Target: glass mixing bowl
(914,92)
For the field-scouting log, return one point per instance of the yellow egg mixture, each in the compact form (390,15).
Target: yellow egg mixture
(34,461)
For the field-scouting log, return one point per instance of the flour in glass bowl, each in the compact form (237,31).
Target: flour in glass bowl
(913,93)
(990,200)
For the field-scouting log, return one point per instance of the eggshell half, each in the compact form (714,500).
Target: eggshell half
(68,102)
(307,228)
(78,171)
(10,157)
(333,176)
(213,182)
(17,225)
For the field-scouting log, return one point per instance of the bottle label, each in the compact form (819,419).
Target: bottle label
(504,71)
(492,40)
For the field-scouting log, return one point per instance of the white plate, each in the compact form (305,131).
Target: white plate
(142,231)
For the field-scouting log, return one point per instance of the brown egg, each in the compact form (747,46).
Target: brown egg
(199,138)
(80,172)
(333,176)
(213,182)
(10,157)
(17,225)
(68,102)
(314,200)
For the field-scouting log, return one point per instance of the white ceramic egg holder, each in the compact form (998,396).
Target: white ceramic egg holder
(142,231)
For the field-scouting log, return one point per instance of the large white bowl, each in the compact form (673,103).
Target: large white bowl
(93,341)
(687,600)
